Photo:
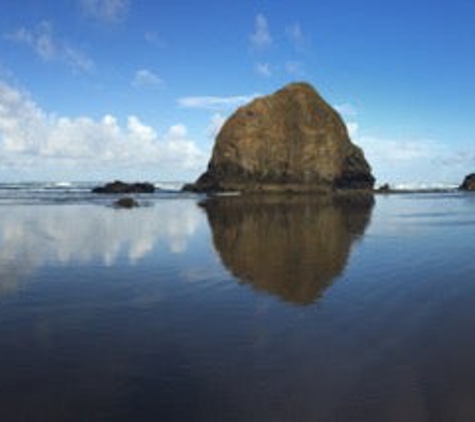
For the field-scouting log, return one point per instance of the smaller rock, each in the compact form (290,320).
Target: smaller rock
(384,188)
(468,183)
(119,187)
(126,202)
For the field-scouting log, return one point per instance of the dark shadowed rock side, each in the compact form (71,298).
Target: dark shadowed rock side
(119,187)
(291,140)
(468,183)
(293,247)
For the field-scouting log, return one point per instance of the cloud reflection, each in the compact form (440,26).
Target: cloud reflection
(35,236)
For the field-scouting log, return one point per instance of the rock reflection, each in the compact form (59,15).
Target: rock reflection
(293,247)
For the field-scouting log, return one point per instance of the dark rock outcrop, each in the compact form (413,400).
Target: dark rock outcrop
(384,188)
(291,140)
(468,183)
(126,202)
(290,246)
(119,187)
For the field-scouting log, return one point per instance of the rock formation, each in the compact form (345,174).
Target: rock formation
(119,187)
(291,140)
(293,247)
(126,202)
(468,183)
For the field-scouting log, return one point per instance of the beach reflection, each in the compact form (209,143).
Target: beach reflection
(293,247)
(35,236)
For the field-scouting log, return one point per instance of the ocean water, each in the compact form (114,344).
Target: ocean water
(234,308)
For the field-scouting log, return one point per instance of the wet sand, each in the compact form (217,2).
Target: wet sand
(239,311)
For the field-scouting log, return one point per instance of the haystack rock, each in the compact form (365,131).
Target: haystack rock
(291,141)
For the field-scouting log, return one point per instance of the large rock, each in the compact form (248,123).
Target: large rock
(119,187)
(468,183)
(291,140)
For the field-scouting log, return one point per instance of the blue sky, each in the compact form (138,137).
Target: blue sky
(136,89)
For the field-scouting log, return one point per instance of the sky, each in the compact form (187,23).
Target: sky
(138,89)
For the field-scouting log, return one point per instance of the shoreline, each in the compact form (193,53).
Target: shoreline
(418,190)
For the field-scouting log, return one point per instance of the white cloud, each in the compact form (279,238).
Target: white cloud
(50,48)
(215,103)
(217,122)
(108,11)
(145,78)
(31,137)
(346,110)
(180,150)
(390,150)
(77,60)
(411,160)
(352,128)
(264,69)
(261,37)
(152,38)
(295,34)
(295,68)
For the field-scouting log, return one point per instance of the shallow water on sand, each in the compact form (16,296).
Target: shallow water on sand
(278,310)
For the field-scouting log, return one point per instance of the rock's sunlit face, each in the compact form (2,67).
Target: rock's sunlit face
(289,141)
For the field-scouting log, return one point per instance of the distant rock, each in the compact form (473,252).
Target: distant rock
(119,187)
(468,183)
(126,202)
(291,141)
(384,188)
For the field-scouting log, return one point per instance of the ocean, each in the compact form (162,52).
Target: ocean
(235,308)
